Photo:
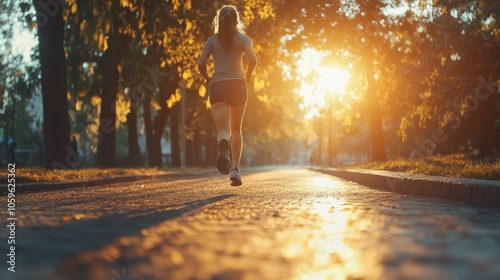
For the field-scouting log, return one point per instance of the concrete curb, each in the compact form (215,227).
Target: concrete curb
(476,192)
(51,186)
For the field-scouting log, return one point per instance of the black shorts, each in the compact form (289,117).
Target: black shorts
(232,92)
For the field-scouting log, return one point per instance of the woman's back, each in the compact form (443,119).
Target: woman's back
(227,62)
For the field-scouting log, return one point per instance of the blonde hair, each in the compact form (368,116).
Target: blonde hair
(226,24)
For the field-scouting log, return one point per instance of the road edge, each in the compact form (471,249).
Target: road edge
(484,193)
(54,186)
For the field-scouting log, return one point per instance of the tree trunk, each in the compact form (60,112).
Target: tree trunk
(174,133)
(54,96)
(157,127)
(486,119)
(189,152)
(134,154)
(211,149)
(153,146)
(376,131)
(107,133)
(197,148)
(118,44)
(148,126)
(154,151)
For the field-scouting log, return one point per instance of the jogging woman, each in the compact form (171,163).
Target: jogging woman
(228,91)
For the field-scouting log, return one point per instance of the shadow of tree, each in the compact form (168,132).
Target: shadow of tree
(44,247)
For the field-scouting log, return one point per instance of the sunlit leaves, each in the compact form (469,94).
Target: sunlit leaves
(177,4)
(263,98)
(122,107)
(257,9)
(189,26)
(125,3)
(74,8)
(202,91)
(78,105)
(174,98)
(259,83)
(102,42)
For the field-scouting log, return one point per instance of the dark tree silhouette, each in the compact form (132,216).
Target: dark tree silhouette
(134,154)
(156,126)
(118,43)
(53,70)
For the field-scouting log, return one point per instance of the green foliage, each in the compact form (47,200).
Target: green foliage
(421,64)
(450,76)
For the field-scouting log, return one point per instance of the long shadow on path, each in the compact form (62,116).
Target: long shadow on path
(39,249)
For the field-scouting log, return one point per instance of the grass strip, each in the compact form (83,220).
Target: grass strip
(454,165)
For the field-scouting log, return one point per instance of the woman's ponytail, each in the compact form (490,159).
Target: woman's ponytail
(227,24)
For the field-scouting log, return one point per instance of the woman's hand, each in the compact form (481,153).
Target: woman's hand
(248,78)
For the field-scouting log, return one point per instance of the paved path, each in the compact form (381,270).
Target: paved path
(281,224)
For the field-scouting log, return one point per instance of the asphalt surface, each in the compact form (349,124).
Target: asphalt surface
(281,224)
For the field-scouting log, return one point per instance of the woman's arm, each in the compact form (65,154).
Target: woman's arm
(252,63)
(202,62)
(204,72)
(252,60)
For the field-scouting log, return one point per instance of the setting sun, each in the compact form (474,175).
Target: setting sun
(319,82)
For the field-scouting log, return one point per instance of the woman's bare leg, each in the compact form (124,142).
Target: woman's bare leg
(236,113)
(220,112)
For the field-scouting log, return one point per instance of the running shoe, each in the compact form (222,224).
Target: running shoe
(235,177)
(223,161)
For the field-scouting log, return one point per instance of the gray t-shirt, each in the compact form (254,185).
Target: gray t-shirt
(227,62)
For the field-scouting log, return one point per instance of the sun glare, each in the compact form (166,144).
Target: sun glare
(319,82)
